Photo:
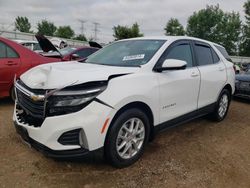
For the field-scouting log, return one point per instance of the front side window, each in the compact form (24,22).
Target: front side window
(126,53)
(181,52)
(204,55)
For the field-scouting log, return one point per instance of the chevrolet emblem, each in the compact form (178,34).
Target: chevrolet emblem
(37,97)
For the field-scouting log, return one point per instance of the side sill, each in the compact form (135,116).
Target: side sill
(184,118)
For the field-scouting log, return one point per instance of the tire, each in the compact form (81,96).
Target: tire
(120,139)
(12,94)
(222,106)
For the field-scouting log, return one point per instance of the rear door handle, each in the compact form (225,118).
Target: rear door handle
(11,63)
(194,74)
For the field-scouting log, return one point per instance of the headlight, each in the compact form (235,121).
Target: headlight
(73,99)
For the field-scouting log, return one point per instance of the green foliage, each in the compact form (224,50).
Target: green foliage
(46,28)
(65,32)
(124,32)
(217,26)
(247,11)
(245,42)
(22,24)
(80,37)
(174,28)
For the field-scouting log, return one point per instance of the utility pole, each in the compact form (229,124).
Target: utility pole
(96,30)
(82,25)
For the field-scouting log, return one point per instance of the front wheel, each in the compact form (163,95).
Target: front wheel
(222,106)
(12,94)
(127,138)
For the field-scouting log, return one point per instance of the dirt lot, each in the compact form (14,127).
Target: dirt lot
(198,154)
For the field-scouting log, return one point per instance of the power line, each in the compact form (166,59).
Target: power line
(82,25)
(96,30)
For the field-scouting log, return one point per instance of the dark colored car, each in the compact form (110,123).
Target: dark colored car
(68,53)
(245,66)
(242,85)
(15,59)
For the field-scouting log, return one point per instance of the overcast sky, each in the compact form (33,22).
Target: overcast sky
(151,15)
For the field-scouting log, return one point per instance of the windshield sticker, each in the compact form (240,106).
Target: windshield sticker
(133,57)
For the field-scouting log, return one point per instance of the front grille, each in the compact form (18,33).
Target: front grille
(33,108)
(30,111)
(70,137)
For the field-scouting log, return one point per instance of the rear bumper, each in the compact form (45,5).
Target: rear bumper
(59,154)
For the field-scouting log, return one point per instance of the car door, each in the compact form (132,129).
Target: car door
(212,71)
(178,88)
(9,65)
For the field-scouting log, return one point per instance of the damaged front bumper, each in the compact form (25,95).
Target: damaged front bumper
(59,154)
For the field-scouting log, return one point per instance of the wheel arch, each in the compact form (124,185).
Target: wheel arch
(141,106)
(229,88)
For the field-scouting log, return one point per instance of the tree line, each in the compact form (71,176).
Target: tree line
(48,28)
(210,23)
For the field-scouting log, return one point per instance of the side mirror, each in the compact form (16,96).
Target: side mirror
(172,64)
(75,56)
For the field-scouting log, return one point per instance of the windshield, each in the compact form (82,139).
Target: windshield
(66,51)
(126,53)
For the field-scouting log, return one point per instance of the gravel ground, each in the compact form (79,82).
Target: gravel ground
(198,154)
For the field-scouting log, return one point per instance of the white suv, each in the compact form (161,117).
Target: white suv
(122,95)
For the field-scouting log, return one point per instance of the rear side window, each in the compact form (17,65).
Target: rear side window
(223,52)
(2,50)
(181,52)
(204,55)
(11,53)
(215,56)
(7,52)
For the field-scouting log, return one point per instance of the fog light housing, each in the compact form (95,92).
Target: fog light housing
(83,139)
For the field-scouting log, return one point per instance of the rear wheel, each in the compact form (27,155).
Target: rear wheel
(222,105)
(127,138)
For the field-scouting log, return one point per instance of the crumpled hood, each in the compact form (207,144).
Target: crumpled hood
(243,77)
(57,75)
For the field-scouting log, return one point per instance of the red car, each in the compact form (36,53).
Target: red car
(68,53)
(15,60)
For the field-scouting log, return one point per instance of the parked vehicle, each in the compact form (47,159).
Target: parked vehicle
(32,45)
(15,59)
(237,69)
(245,66)
(59,43)
(242,85)
(68,53)
(121,96)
